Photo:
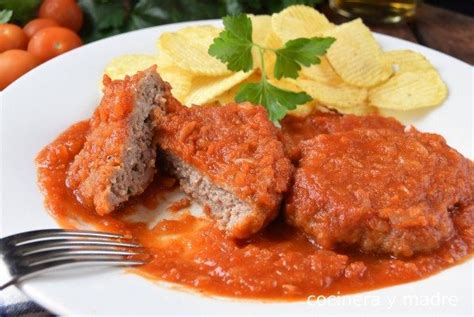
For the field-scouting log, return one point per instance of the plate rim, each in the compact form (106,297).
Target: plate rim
(58,307)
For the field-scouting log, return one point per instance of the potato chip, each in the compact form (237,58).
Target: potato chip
(163,60)
(226,97)
(273,42)
(406,61)
(299,21)
(205,89)
(356,56)
(320,108)
(229,95)
(323,73)
(179,79)
(361,110)
(188,48)
(334,96)
(124,65)
(301,110)
(409,90)
(261,29)
(286,84)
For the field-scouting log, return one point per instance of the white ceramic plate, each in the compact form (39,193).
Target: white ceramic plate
(37,107)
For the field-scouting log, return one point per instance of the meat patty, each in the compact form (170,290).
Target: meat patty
(294,129)
(381,190)
(118,158)
(229,158)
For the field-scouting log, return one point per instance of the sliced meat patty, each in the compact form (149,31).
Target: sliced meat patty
(229,158)
(118,158)
(380,190)
(294,129)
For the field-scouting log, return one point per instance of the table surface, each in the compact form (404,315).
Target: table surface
(440,29)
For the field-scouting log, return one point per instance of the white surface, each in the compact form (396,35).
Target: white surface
(41,104)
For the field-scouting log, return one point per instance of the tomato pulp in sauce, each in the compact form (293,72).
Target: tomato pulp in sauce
(279,263)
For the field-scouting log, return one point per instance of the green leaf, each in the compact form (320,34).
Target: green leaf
(148,13)
(5,16)
(297,52)
(102,18)
(186,10)
(23,10)
(277,101)
(112,17)
(233,46)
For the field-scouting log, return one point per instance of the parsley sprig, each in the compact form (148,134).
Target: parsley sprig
(234,46)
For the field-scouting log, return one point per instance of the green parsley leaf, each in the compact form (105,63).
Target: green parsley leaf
(234,45)
(5,16)
(277,101)
(297,52)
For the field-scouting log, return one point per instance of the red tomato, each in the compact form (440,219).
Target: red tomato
(13,64)
(53,41)
(66,12)
(37,24)
(12,37)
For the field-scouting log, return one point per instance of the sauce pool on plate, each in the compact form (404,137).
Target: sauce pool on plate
(280,263)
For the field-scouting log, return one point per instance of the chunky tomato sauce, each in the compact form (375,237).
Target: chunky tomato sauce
(278,264)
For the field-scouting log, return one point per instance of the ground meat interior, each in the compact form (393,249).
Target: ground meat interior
(118,157)
(230,159)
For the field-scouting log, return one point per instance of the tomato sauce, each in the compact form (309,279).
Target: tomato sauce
(280,263)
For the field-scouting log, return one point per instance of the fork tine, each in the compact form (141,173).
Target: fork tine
(57,233)
(33,252)
(47,266)
(70,253)
(107,260)
(45,245)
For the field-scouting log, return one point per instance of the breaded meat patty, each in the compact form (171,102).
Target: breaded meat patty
(118,158)
(380,190)
(229,158)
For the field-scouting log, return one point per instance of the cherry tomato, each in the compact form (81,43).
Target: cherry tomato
(13,64)
(12,37)
(53,41)
(66,12)
(37,24)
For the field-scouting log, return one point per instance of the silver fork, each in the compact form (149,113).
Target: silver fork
(29,253)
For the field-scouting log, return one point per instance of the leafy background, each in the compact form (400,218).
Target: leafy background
(104,18)
(109,17)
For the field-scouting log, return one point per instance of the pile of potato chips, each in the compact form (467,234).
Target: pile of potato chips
(356,76)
